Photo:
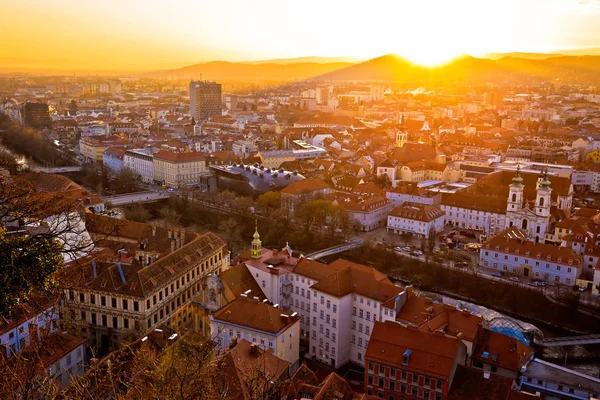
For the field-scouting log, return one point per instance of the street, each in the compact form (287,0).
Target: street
(131,198)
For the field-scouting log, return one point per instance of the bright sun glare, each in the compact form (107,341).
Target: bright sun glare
(429,56)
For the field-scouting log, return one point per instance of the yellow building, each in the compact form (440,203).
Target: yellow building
(92,147)
(594,156)
(273,159)
(180,169)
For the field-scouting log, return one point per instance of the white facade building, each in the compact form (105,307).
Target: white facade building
(417,219)
(525,258)
(261,323)
(140,162)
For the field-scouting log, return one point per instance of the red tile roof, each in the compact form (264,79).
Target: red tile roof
(508,352)
(255,315)
(431,354)
(305,186)
(432,317)
(417,212)
(179,157)
(525,248)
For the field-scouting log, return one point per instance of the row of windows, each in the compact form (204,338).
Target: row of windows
(392,374)
(103,301)
(175,304)
(328,320)
(425,394)
(537,264)
(360,341)
(361,314)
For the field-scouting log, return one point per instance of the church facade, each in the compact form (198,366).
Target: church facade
(533,218)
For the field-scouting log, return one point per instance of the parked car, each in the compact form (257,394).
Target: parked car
(514,279)
(581,289)
(417,253)
(406,249)
(497,274)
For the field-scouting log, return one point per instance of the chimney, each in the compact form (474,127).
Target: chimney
(234,342)
(182,237)
(254,350)
(172,244)
(169,233)
(178,243)
(175,233)
(153,230)
(94,268)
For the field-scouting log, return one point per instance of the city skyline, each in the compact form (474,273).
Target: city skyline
(146,35)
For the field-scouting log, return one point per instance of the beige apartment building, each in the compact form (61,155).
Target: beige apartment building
(180,169)
(141,278)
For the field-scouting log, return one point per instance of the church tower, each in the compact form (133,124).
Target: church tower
(515,195)
(401,135)
(256,243)
(543,199)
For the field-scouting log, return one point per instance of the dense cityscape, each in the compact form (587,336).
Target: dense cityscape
(302,228)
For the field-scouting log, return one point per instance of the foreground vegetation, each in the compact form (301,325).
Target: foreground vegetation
(31,143)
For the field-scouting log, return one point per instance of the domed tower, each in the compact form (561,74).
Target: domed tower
(543,199)
(256,243)
(515,195)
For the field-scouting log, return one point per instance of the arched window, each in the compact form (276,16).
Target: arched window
(524,226)
(541,202)
(514,198)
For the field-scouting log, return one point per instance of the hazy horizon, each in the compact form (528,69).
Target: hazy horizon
(144,35)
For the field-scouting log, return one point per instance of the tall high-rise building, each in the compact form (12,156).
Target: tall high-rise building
(37,115)
(205,100)
(322,94)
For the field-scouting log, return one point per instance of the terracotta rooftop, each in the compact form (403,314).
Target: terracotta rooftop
(243,369)
(476,201)
(237,280)
(434,317)
(417,212)
(411,152)
(525,248)
(334,387)
(179,157)
(271,261)
(357,203)
(124,240)
(432,354)
(255,315)
(501,350)
(361,280)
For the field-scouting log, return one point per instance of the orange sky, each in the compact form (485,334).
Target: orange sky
(155,34)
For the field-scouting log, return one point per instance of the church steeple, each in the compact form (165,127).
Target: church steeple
(256,243)
(543,195)
(515,194)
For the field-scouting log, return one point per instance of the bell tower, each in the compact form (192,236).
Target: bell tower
(515,194)
(543,199)
(256,243)
(401,135)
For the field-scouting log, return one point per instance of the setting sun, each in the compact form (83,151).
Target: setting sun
(425,32)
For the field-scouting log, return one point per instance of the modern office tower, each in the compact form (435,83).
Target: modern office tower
(205,100)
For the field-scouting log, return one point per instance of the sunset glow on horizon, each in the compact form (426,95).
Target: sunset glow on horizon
(150,34)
